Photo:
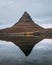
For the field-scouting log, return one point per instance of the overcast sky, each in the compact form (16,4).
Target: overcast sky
(39,10)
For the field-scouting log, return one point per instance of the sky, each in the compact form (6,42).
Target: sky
(39,10)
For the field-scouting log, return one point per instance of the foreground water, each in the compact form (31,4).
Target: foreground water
(41,54)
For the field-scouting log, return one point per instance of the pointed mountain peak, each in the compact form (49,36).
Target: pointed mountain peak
(25,12)
(26,15)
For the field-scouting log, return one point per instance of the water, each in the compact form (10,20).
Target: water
(38,53)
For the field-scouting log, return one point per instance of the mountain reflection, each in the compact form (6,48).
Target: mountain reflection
(25,43)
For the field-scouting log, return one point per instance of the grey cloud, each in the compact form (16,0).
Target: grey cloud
(12,10)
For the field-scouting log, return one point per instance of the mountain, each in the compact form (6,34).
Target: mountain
(25,24)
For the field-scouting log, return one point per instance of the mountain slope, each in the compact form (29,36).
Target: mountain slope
(25,24)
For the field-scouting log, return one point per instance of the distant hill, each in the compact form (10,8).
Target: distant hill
(49,29)
(25,24)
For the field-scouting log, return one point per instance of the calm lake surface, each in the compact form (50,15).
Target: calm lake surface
(41,54)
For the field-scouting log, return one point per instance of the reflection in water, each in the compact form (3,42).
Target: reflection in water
(12,55)
(25,43)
